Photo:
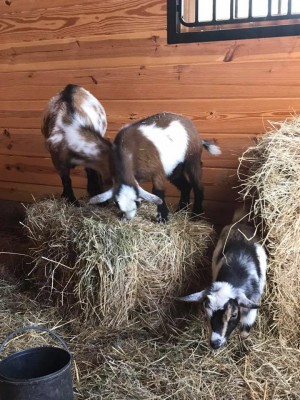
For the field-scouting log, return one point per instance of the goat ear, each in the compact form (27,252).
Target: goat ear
(193,298)
(252,305)
(243,301)
(152,198)
(100,198)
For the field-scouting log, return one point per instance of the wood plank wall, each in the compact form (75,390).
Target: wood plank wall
(117,49)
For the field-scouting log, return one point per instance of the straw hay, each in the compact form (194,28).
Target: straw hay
(110,272)
(136,365)
(174,362)
(273,185)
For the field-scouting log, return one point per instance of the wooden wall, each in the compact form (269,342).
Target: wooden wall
(117,49)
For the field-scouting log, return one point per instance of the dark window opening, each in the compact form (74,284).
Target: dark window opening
(209,20)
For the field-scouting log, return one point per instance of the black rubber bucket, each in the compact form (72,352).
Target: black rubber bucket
(40,373)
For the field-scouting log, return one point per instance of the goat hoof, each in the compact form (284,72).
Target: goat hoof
(195,217)
(70,200)
(74,203)
(182,207)
(160,219)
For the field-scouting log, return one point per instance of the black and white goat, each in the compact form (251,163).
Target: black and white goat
(239,266)
(160,147)
(74,123)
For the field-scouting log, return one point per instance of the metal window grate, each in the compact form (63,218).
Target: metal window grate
(207,20)
(230,11)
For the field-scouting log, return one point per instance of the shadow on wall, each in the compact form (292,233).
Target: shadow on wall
(13,241)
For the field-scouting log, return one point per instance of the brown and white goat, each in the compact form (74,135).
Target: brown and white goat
(239,267)
(74,123)
(160,147)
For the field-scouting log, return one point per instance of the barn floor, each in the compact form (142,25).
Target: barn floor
(137,364)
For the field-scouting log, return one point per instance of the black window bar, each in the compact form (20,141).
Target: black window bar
(218,29)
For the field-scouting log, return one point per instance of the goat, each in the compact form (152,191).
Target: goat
(239,266)
(160,147)
(74,123)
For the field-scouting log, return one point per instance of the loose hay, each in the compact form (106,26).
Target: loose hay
(138,365)
(273,184)
(111,272)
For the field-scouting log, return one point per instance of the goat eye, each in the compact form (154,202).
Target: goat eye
(205,303)
(234,315)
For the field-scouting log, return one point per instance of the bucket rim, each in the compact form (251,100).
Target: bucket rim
(4,378)
(36,328)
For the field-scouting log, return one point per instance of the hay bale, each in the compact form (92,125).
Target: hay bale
(110,272)
(273,185)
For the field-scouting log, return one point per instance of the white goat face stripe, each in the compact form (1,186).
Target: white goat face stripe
(171,143)
(221,292)
(126,199)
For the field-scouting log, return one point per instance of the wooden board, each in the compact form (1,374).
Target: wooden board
(219,212)
(40,171)
(82,19)
(260,74)
(27,142)
(147,48)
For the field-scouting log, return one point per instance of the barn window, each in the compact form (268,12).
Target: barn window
(209,20)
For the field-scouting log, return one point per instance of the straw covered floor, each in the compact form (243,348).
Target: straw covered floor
(273,186)
(137,364)
(110,272)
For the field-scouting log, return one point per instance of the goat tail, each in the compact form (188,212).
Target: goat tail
(211,147)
